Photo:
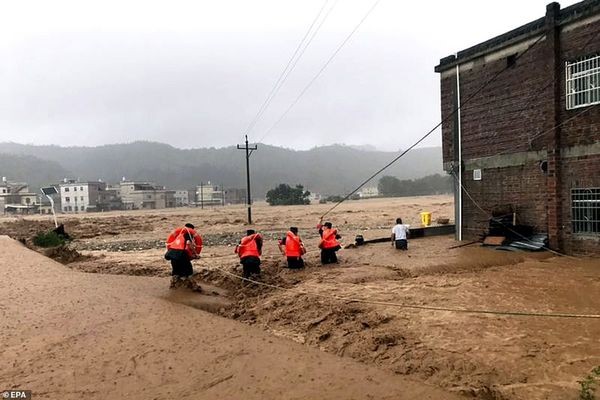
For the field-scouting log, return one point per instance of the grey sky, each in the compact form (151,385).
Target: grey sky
(194,73)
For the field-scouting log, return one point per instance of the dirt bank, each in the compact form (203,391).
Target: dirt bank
(71,335)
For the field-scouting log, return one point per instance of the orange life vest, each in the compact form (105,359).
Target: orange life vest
(248,246)
(293,245)
(177,241)
(328,240)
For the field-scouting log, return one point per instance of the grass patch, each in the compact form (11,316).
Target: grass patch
(48,239)
(589,385)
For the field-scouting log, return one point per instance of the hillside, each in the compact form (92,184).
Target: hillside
(333,169)
(33,170)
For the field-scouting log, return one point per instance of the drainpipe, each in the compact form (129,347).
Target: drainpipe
(459,216)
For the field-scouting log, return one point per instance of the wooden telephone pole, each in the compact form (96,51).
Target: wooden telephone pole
(248,151)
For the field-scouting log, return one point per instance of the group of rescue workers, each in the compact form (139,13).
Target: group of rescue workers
(185,244)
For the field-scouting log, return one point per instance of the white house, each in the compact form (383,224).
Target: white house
(209,195)
(368,192)
(78,197)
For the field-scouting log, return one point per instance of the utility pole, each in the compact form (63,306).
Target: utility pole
(202,195)
(249,201)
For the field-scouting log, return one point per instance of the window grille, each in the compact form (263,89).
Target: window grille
(583,82)
(585,208)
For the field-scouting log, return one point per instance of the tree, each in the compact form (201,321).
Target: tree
(432,184)
(284,194)
(389,186)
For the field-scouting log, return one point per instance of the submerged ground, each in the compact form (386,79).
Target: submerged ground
(357,309)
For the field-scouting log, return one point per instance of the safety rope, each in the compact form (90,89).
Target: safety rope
(416,306)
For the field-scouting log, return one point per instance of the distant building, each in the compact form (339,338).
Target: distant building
(16,198)
(182,198)
(209,195)
(79,197)
(109,199)
(366,193)
(170,198)
(235,196)
(142,195)
(314,198)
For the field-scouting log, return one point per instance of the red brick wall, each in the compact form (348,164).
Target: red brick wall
(578,172)
(447,88)
(583,129)
(502,116)
(522,187)
(505,118)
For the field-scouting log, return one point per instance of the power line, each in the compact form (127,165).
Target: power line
(318,74)
(415,306)
(283,76)
(494,77)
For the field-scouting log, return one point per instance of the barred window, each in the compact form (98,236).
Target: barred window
(583,82)
(585,210)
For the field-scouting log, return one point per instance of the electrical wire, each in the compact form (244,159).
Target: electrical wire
(291,64)
(494,77)
(320,72)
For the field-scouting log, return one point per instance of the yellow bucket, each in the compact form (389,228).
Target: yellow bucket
(425,218)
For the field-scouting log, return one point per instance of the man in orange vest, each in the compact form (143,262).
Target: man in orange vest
(292,247)
(183,245)
(249,250)
(328,244)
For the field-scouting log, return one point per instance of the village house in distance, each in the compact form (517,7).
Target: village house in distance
(529,142)
(75,197)
(15,197)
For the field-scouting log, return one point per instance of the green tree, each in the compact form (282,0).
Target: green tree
(284,195)
(432,184)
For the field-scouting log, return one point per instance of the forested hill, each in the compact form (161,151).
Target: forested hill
(328,170)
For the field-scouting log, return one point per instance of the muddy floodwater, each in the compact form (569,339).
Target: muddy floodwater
(369,307)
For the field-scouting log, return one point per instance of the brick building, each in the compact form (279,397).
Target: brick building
(530,140)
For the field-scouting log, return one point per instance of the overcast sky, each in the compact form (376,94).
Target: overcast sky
(194,73)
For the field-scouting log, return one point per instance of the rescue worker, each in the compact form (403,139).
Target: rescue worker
(183,245)
(292,247)
(249,250)
(328,244)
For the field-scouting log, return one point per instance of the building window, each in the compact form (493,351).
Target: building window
(81,188)
(585,210)
(67,199)
(66,189)
(583,82)
(81,198)
(75,188)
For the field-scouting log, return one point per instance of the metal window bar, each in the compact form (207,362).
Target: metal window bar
(585,211)
(583,82)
